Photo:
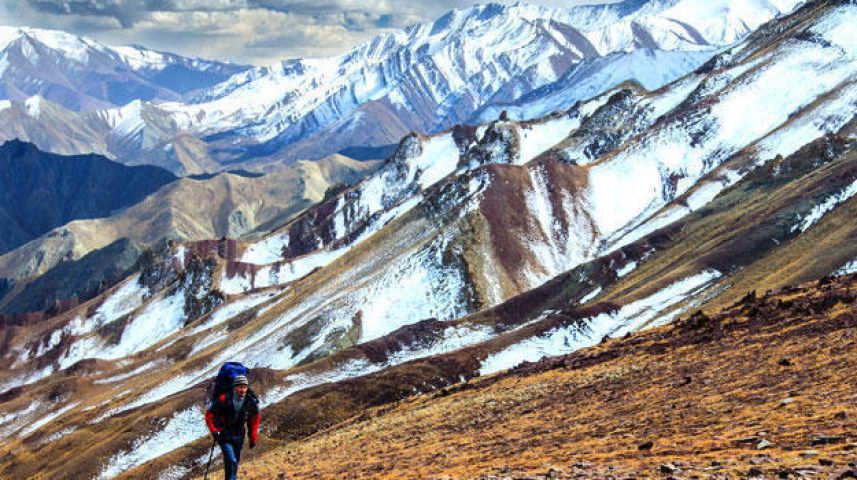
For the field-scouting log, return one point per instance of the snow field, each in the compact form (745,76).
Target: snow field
(266,251)
(744,112)
(631,317)
(846,269)
(184,427)
(540,137)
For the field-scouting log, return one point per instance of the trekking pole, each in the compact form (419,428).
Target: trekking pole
(210,454)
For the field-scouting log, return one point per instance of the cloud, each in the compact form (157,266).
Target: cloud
(246,31)
(127,12)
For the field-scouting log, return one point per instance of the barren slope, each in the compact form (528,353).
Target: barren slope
(764,385)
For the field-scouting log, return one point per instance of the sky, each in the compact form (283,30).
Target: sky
(259,32)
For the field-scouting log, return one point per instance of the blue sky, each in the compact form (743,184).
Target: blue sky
(260,32)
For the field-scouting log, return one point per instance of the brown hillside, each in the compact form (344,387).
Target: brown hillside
(765,387)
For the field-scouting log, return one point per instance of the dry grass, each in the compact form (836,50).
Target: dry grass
(694,389)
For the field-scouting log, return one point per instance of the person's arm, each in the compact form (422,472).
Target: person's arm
(213,405)
(209,421)
(253,420)
(253,428)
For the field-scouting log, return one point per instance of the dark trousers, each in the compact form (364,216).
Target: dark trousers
(231,449)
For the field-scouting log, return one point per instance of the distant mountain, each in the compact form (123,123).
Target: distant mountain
(40,191)
(434,75)
(227,204)
(82,74)
(466,65)
(73,278)
(649,69)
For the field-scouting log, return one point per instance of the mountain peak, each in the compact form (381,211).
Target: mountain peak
(63,67)
(16,148)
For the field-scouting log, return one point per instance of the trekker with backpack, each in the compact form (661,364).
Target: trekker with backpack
(229,411)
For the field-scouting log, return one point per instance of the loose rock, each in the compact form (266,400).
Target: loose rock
(554,473)
(755,472)
(827,439)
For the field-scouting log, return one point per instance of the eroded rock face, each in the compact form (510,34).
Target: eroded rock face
(500,144)
(394,182)
(621,117)
(409,147)
(157,270)
(197,282)
(187,268)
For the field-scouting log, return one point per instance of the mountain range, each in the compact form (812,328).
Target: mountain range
(426,78)
(41,191)
(62,209)
(82,74)
(475,247)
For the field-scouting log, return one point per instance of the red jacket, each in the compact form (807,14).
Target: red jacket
(221,417)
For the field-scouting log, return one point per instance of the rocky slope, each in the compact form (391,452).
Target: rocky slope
(759,389)
(227,204)
(82,74)
(426,78)
(468,252)
(40,191)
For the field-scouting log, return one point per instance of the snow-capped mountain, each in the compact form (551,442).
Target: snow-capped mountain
(471,250)
(462,67)
(82,74)
(432,76)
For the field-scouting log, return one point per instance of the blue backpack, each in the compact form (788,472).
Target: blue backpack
(228,372)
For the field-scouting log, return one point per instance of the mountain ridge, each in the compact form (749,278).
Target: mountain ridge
(40,191)
(426,79)
(82,74)
(227,204)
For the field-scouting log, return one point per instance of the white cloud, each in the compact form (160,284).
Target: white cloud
(260,32)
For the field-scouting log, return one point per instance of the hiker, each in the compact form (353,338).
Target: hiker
(227,415)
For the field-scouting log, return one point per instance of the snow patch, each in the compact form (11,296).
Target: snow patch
(654,308)
(589,296)
(267,251)
(566,339)
(58,435)
(626,269)
(539,137)
(124,300)
(846,269)
(184,427)
(438,159)
(44,420)
(824,207)
(129,374)
(230,310)
(157,321)
(27,378)
(558,341)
